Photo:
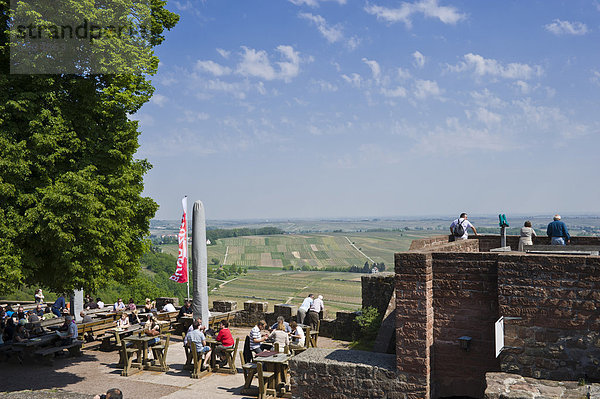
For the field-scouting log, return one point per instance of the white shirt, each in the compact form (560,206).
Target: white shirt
(466,225)
(299,332)
(169,308)
(100,305)
(306,303)
(317,305)
(255,334)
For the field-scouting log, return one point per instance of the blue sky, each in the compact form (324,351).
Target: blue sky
(332,108)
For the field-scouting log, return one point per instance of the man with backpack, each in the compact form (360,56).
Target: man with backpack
(459,228)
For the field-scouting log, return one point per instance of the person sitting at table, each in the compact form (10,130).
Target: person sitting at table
(9,329)
(123,322)
(91,304)
(149,306)
(21,333)
(21,313)
(32,317)
(119,306)
(197,337)
(85,318)
(38,296)
(186,309)
(134,318)
(169,307)
(152,327)
(131,305)
(280,336)
(70,334)
(257,337)
(297,335)
(226,342)
(48,314)
(281,319)
(59,305)
(191,328)
(99,303)
(39,311)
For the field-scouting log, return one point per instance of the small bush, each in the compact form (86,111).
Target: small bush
(368,322)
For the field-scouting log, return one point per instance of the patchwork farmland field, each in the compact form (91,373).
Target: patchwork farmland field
(266,255)
(314,250)
(342,291)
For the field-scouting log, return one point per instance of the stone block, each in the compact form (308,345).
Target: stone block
(224,306)
(286,310)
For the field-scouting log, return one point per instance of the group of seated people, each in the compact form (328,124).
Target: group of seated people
(197,334)
(13,324)
(282,332)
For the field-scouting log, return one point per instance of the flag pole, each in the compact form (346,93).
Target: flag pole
(186,245)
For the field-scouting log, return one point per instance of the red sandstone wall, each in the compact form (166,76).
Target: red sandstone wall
(558,298)
(465,302)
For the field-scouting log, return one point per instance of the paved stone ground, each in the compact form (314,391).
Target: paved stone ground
(511,386)
(96,372)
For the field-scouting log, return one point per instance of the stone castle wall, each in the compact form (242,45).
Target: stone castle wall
(442,295)
(334,373)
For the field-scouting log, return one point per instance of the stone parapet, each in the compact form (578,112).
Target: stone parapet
(224,306)
(503,385)
(337,373)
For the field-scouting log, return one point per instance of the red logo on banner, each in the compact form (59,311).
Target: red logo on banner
(181,272)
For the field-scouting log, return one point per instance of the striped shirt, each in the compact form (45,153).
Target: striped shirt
(255,334)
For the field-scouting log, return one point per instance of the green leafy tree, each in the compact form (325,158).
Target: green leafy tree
(71,210)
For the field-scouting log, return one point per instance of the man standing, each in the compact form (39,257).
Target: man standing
(312,317)
(459,228)
(557,231)
(301,315)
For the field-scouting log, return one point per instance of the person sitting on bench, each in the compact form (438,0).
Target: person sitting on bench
(70,334)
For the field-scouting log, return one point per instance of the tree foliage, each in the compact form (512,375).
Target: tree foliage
(71,210)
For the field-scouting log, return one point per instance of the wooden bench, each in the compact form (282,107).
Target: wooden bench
(169,317)
(159,352)
(199,360)
(127,358)
(230,357)
(47,354)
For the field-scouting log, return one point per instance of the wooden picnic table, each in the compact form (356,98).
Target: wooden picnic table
(213,343)
(277,363)
(119,334)
(31,345)
(142,343)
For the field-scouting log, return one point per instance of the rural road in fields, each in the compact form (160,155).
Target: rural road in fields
(363,254)
(226,252)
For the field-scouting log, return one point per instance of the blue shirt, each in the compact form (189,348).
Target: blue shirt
(60,303)
(557,228)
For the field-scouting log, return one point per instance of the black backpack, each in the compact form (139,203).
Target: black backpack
(459,229)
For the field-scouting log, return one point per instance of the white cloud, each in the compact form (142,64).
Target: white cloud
(314,3)
(397,92)
(193,116)
(404,14)
(559,28)
(595,77)
(224,53)
(485,98)
(488,117)
(455,136)
(213,68)
(256,63)
(374,66)
(523,86)
(486,66)
(159,100)
(419,59)
(403,74)
(426,88)
(354,79)
(325,86)
(331,33)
